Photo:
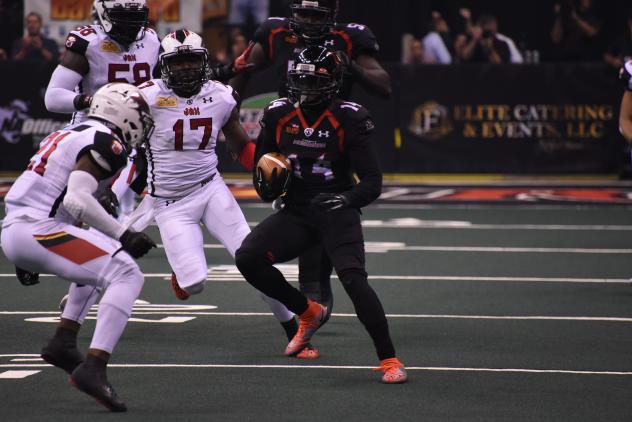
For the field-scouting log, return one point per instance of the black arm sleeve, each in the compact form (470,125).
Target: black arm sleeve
(365,163)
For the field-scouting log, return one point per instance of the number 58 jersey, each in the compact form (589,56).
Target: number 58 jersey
(108,61)
(181,152)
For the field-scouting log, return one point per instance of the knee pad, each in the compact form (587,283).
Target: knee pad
(196,288)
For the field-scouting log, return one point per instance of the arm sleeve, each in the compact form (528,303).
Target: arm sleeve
(60,94)
(82,205)
(365,163)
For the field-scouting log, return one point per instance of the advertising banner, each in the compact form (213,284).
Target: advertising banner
(509,119)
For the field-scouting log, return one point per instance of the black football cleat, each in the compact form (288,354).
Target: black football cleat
(62,354)
(93,381)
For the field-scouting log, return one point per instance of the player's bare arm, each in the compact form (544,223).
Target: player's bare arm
(252,59)
(372,76)
(625,116)
(239,145)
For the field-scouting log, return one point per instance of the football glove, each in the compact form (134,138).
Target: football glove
(330,201)
(226,72)
(82,102)
(271,190)
(109,202)
(137,244)
(26,278)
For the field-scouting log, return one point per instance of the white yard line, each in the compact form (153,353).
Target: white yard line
(236,277)
(393,316)
(345,367)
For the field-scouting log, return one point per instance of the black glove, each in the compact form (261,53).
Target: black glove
(136,244)
(27,278)
(109,202)
(275,187)
(82,101)
(330,201)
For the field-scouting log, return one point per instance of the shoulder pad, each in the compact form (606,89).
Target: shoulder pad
(79,38)
(362,38)
(106,151)
(150,88)
(625,75)
(271,24)
(355,115)
(280,104)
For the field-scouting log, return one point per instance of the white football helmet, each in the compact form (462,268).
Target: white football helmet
(184,62)
(125,110)
(123,21)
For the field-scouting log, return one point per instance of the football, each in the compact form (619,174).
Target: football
(268,162)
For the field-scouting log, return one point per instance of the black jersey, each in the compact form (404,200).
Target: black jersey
(281,46)
(324,152)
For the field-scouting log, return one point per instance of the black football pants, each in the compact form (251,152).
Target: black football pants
(287,234)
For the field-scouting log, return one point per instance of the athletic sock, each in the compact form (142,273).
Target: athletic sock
(290,327)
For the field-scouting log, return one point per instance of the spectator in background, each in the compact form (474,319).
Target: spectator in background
(438,42)
(34,46)
(241,10)
(621,51)
(481,43)
(575,31)
(417,53)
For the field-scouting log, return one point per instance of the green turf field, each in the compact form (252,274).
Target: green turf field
(500,313)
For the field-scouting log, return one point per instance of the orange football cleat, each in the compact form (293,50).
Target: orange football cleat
(309,352)
(309,322)
(394,371)
(177,290)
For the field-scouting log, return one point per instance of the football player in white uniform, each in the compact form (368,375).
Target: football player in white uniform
(184,185)
(117,48)
(120,48)
(39,232)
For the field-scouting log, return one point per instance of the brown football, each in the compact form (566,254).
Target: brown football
(272,160)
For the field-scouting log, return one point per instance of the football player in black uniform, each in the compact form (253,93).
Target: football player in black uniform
(276,43)
(326,140)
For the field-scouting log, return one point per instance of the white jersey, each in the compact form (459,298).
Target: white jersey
(109,61)
(181,153)
(39,191)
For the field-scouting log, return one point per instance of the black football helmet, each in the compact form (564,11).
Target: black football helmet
(124,22)
(315,77)
(313,20)
(184,62)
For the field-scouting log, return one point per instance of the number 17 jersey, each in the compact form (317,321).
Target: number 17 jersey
(181,152)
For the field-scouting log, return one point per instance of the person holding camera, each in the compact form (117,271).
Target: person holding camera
(34,46)
(481,43)
(575,31)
